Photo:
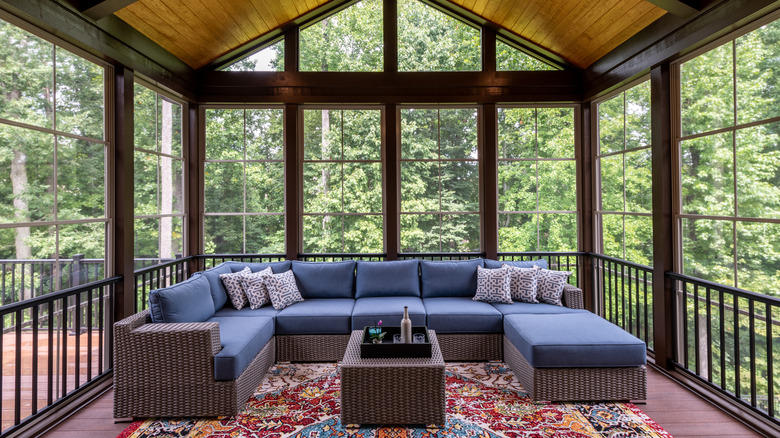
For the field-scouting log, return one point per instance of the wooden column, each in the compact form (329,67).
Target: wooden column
(488,164)
(392,171)
(585,177)
(291,49)
(663,219)
(122,195)
(195,184)
(488,49)
(292,201)
(390,33)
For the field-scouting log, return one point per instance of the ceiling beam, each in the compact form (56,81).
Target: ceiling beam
(97,9)
(680,8)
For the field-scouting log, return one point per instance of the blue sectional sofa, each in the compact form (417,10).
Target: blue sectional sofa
(160,371)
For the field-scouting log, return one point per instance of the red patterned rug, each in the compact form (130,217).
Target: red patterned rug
(483,400)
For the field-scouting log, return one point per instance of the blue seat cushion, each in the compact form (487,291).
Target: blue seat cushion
(188,301)
(455,278)
(277,267)
(218,292)
(316,316)
(229,311)
(462,315)
(533,308)
(324,279)
(573,340)
(387,279)
(495,264)
(242,338)
(390,310)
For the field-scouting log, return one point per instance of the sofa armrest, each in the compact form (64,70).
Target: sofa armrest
(572,297)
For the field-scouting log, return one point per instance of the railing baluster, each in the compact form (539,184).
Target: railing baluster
(89,334)
(696,343)
(18,370)
(722,326)
(737,357)
(770,360)
(100,328)
(685,323)
(752,337)
(709,335)
(647,327)
(50,389)
(34,404)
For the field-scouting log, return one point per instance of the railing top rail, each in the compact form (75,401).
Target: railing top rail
(442,254)
(237,256)
(162,265)
(54,296)
(46,261)
(342,254)
(543,253)
(622,262)
(742,293)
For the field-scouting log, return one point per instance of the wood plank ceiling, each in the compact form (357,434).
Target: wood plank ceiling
(200,31)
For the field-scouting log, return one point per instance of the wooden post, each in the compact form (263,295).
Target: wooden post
(585,176)
(488,163)
(195,184)
(292,198)
(392,163)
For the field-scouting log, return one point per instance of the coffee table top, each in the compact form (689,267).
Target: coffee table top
(352,355)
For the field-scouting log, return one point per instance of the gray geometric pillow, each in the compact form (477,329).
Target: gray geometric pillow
(493,285)
(523,283)
(254,285)
(235,287)
(551,285)
(282,289)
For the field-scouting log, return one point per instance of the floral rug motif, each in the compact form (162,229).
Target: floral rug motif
(484,400)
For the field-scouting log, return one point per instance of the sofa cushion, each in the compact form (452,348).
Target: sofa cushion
(234,286)
(495,264)
(573,340)
(387,279)
(493,285)
(218,292)
(316,316)
(282,290)
(462,315)
(188,301)
(368,311)
(228,311)
(454,278)
(325,279)
(242,338)
(533,309)
(550,286)
(523,284)
(277,267)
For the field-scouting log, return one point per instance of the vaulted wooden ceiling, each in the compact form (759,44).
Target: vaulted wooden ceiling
(579,31)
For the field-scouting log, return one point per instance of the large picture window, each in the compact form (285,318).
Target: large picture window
(729,148)
(440,205)
(342,181)
(244,181)
(159,178)
(53,153)
(537,189)
(624,212)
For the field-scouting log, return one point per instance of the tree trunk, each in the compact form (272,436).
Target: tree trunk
(166,182)
(21,212)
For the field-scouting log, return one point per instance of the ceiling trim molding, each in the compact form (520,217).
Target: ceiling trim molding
(97,9)
(680,8)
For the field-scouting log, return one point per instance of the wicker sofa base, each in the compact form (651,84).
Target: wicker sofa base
(572,384)
(310,348)
(470,347)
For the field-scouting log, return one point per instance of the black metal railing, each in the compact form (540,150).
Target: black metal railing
(159,276)
(206,261)
(623,295)
(22,279)
(559,261)
(440,256)
(61,342)
(334,257)
(729,339)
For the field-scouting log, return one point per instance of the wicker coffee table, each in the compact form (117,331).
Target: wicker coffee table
(392,391)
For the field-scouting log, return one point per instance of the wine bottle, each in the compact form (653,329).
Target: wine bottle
(406,327)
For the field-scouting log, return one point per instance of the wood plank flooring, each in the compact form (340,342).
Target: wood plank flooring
(676,409)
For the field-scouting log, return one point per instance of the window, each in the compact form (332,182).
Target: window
(53,206)
(350,40)
(440,202)
(342,181)
(624,212)
(509,58)
(244,181)
(159,178)
(270,58)
(729,148)
(537,190)
(429,40)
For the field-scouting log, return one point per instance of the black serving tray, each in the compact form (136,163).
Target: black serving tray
(368,349)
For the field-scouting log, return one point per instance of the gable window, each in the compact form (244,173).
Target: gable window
(269,58)
(509,58)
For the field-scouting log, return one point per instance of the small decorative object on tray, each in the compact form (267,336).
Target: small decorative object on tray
(376,333)
(420,346)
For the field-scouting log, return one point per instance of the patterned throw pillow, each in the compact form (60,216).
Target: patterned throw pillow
(282,290)
(522,283)
(551,286)
(235,287)
(493,285)
(256,291)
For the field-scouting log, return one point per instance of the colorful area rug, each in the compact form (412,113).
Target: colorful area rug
(484,400)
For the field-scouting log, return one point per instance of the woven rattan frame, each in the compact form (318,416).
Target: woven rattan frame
(576,384)
(167,370)
(392,391)
(572,297)
(470,347)
(310,348)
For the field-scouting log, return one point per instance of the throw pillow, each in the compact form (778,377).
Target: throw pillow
(256,291)
(550,287)
(235,287)
(493,285)
(522,283)
(282,290)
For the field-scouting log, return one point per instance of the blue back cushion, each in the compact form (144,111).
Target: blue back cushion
(188,301)
(387,279)
(456,278)
(324,279)
(496,264)
(218,292)
(277,267)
